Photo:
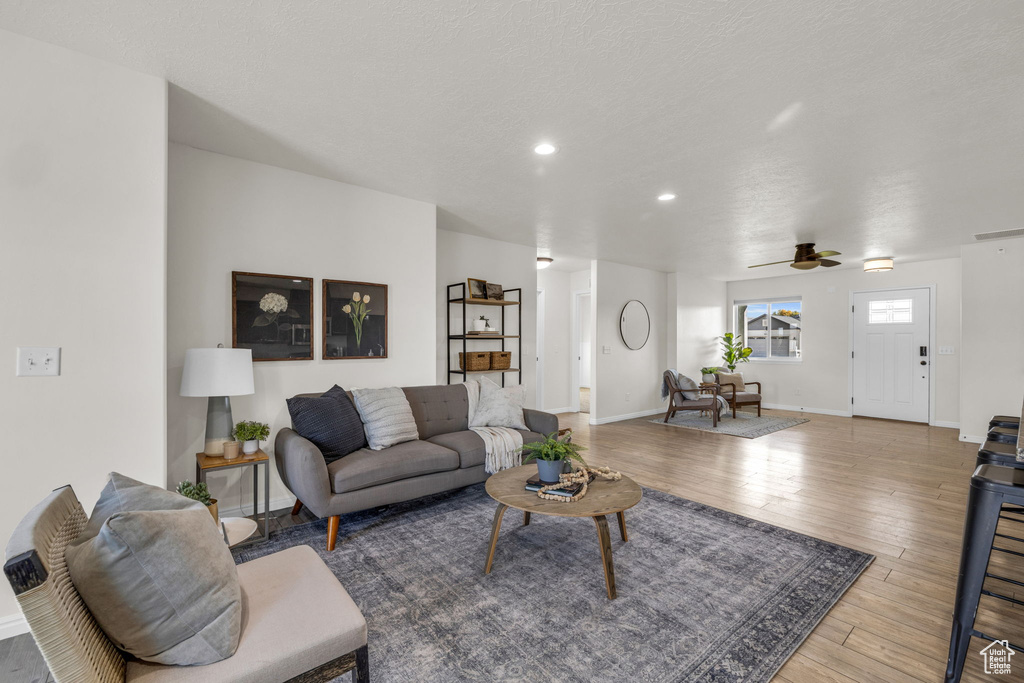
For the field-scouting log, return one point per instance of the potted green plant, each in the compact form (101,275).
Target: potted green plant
(734,352)
(553,455)
(708,374)
(250,433)
(199,492)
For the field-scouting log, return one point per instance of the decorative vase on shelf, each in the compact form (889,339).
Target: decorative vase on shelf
(479,325)
(250,447)
(548,470)
(231,450)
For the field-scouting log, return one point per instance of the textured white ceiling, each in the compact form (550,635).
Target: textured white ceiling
(869,127)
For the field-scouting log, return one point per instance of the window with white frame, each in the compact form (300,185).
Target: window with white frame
(771,328)
(890,311)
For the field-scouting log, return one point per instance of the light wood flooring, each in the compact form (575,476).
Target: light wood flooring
(895,490)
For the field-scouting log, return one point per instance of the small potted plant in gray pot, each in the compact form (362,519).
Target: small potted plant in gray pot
(199,492)
(250,433)
(553,455)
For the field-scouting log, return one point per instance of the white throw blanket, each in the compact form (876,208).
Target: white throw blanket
(502,447)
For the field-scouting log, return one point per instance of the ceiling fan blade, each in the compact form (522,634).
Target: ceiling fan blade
(828,263)
(770,264)
(823,254)
(804,265)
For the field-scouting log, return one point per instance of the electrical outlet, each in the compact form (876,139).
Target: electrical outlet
(796,391)
(38,361)
(627,396)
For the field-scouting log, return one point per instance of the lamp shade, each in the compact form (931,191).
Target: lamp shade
(217,372)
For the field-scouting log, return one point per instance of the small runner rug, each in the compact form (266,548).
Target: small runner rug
(703,594)
(747,425)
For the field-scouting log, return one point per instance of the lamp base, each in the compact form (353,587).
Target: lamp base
(219,425)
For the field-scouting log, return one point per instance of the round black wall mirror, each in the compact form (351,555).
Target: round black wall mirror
(634,325)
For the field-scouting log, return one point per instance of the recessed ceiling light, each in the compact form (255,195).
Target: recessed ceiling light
(878,265)
(543,262)
(667,197)
(545,148)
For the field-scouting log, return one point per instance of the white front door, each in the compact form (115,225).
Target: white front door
(892,354)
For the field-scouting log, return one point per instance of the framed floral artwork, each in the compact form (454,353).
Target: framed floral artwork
(272,315)
(355,323)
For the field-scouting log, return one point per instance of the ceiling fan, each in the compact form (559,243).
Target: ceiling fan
(806,258)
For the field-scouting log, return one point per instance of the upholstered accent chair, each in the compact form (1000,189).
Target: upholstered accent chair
(677,399)
(728,390)
(298,623)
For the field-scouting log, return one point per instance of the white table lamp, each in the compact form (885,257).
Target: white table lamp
(217,374)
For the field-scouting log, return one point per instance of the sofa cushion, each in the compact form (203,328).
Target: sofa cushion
(161,583)
(331,422)
(439,409)
(470,446)
(366,468)
(746,397)
(499,406)
(387,416)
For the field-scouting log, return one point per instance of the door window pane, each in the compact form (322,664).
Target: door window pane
(890,311)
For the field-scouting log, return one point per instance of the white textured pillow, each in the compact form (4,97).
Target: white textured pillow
(387,416)
(499,407)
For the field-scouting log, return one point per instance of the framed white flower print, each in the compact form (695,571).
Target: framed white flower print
(272,315)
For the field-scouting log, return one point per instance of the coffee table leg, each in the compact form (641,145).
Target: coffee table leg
(622,525)
(526,518)
(495,528)
(606,554)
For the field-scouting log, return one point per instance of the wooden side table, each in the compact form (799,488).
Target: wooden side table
(208,463)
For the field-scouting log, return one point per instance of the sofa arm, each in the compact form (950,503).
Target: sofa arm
(540,422)
(303,470)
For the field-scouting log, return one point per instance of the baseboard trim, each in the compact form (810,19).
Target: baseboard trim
(946,424)
(800,409)
(628,416)
(243,510)
(557,411)
(973,439)
(13,625)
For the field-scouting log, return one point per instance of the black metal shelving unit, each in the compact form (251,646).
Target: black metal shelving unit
(460,299)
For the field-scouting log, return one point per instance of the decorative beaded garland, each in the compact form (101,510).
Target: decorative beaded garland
(580,476)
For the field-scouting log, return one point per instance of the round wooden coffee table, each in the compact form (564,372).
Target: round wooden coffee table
(604,497)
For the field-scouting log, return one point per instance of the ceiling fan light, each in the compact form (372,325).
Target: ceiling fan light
(804,265)
(543,262)
(878,265)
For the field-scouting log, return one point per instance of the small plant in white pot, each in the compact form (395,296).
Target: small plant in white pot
(553,455)
(250,433)
(708,374)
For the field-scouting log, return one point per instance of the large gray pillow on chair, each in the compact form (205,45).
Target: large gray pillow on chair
(154,570)
(690,388)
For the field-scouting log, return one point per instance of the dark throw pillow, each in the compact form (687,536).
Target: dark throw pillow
(331,422)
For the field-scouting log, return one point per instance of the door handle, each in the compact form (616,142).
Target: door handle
(924,362)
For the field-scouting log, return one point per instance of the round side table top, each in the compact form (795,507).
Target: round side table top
(604,497)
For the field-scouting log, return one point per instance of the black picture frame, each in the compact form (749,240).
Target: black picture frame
(495,292)
(341,341)
(272,315)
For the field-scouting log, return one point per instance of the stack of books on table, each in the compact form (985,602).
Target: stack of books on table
(534,484)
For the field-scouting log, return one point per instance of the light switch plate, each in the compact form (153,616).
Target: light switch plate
(38,361)
(946,350)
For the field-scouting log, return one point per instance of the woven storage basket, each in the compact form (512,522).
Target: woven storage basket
(501,360)
(478,360)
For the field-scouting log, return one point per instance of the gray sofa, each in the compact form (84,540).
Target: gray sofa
(446,456)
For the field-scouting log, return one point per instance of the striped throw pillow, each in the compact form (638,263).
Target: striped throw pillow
(387,416)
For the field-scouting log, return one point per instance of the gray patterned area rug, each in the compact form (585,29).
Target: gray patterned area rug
(703,594)
(747,425)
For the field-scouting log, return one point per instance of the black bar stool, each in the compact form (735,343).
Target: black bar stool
(1003,434)
(1004,421)
(998,453)
(992,486)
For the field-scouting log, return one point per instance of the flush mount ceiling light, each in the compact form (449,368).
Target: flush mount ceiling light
(877,265)
(543,262)
(545,148)
(667,197)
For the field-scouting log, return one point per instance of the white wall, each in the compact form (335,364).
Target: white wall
(462,256)
(227,214)
(822,377)
(83,158)
(700,316)
(992,365)
(558,356)
(625,371)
